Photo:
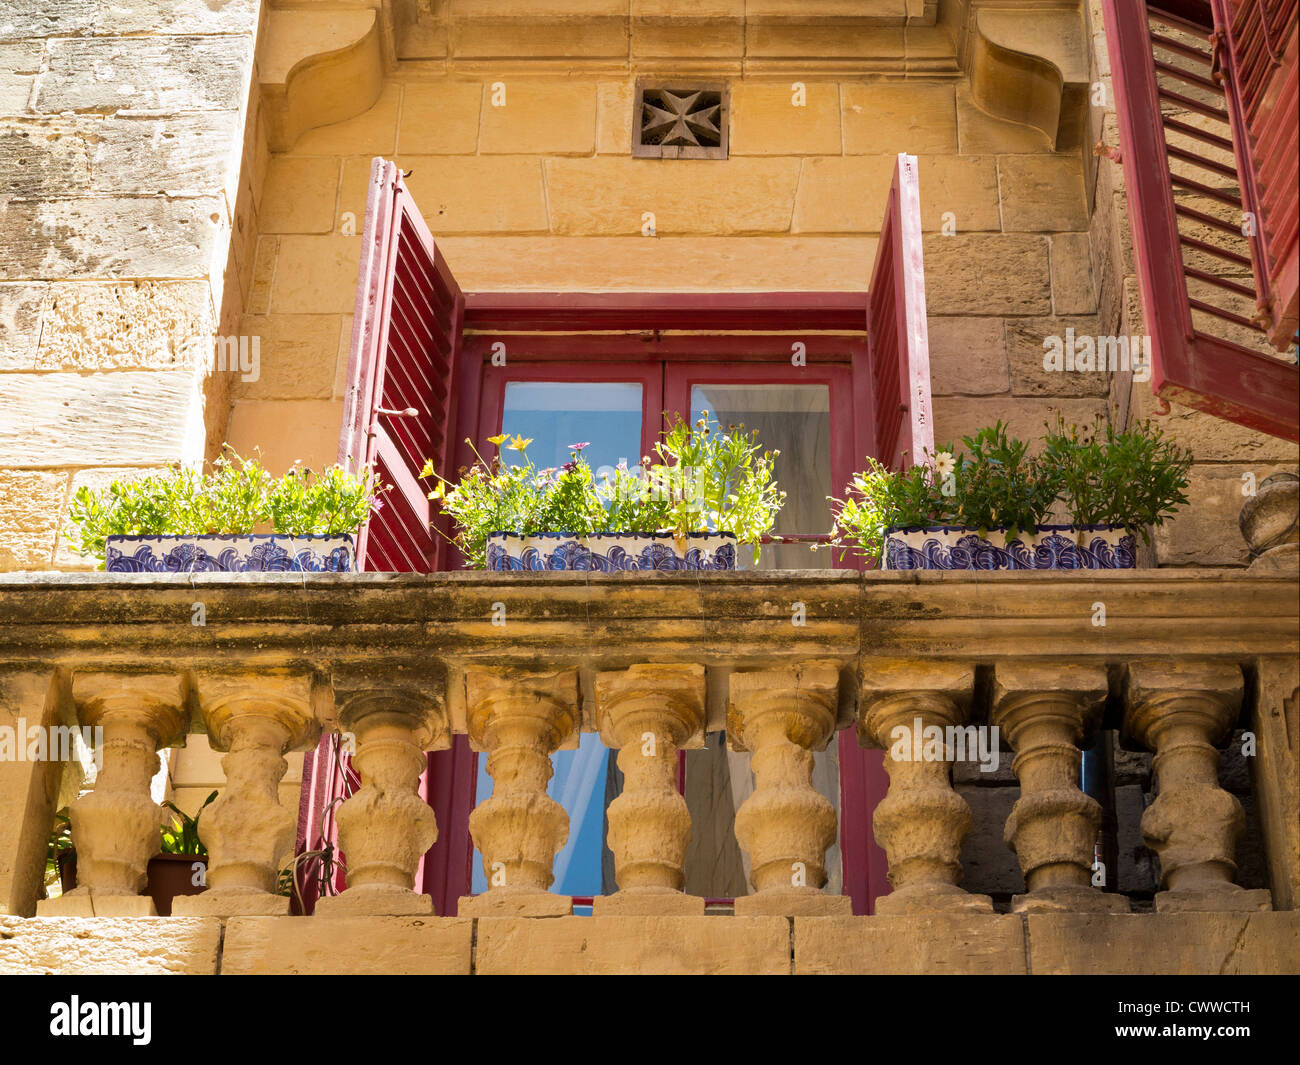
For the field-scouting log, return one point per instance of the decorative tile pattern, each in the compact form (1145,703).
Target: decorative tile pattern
(230,554)
(1051,547)
(610,552)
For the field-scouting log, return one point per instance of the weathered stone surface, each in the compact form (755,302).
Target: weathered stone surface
(887,118)
(968,357)
(988,864)
(67,18)
(1202,533)
(84,946)
(1026,353)
(112,74)
(109,237)
(1165,944)
(608,196)
(43,157)
(192,153)
(1042,193)
(20,324)
(1073,290)
(958,416)
(131,325)
(987,274)
(608,946)
(347,946)
(964,187)
(31,506)
(538,118)
(906,945)
(1213,439)
(767,120)
(19,64)
(67,419)
(440,118)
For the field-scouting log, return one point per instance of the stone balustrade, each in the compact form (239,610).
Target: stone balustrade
(653,664)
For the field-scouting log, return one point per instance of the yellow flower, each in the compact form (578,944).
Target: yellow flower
(499,440)
(439,491)
(519,443)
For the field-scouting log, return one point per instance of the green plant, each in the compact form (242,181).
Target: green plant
(59,845)
(706,479)
(996,485)
(1107,477)
(237,496)
(182,835)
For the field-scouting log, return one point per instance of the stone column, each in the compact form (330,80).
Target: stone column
(117,827)
(519,718)
(1270,523)
(1048,711)
(1183,710)
(255,718)
(648,713)
(781,716)
(386,827)
(911,709)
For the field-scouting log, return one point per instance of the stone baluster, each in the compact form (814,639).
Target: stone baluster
(1047,712)
(1270,523)
(255,718)
(385,828)
(520,718)
(911,710)
(781,716)
(116,827)
(1182,711)
(648,713)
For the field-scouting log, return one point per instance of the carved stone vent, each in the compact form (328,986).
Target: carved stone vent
(680,120)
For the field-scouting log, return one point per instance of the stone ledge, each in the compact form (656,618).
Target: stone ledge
(86,946)
(347,946)
(923,944)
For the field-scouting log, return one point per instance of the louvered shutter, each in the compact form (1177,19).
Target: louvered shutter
(1193,259)
(399,411)
(898,338)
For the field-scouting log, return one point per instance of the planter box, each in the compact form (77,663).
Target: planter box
(270,553)
(610,552)
(1051,547)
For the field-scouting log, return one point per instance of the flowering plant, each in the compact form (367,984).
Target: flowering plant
(1134,479)
(705,479)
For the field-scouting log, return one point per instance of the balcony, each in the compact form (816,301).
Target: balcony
(404,662)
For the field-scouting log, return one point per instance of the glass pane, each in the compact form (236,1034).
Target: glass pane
(579,785)
(555,414)
(795,420)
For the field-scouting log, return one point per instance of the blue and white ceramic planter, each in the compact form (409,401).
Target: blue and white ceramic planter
(269,553)
(609,552)
(1051,547)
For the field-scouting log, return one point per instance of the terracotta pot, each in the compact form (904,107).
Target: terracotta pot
(171,875)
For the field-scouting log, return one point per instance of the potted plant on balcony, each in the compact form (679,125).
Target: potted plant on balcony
(181,521)
(711,490)
(180,866)
(986,508)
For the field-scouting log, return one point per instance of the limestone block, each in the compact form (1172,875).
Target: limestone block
(965,187)
(98,238)
(958,416)
(477,194)
(312,274)
(770,43)
(133,74)
(179,154)
(1213,439)
(614,117)
(347,946)
(980,133)
(987,274)
(716,44)
(1025,353)
(129,325)
(766,121)
(300,194)
(20,62)
(635,264)
(1042,193)
(975,944)
(589,38)
(1202,532)
(298,353)
(880,117)
(21,304)
(1165,944)
(31,508)
(1276,774)
(1073,289)
(967,357)
(28,788)
(440,118)
(86,946)
(843,194)
(540,118)
(67,419)
(35,19)
(608,946)
(43,157)
(608,196)
(373,132)
(304,431)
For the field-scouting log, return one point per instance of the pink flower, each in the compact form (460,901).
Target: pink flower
(579,447)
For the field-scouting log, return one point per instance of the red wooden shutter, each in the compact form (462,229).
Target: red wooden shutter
(398,412)
(1195,360)
(898,336)
(1255,46)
